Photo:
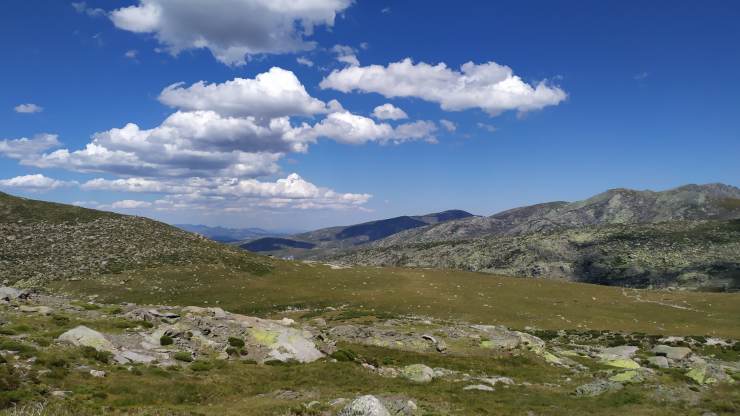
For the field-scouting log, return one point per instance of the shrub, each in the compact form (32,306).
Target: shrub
(344,355)
(93,354)
(183,356)
(201,365)
(236,342)
(166,340)
(232,351)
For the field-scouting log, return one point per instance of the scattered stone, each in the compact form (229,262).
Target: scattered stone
(60,393)
(83,336)
(674,353)
(365,406)
(97,373)
(623,363)
(127,357)
(659,361)
(481,387)
(597,388)
(418,373)
(41,310)
(9,293)
(630,376)
(496,380)
(622,351)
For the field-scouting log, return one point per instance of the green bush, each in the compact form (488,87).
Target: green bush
(166,340)
(344,355)
(236,342)
(92,354)
(201,366)
(183,356)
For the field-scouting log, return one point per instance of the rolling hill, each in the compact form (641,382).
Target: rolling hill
(685,237)
(44,241)
(228,235)
(329,240)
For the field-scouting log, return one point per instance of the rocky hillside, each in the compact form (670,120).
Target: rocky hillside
(64,356)
(328,240)
(43,241)
(693,254)
(616,206)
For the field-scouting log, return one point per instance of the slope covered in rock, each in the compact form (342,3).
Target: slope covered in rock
(616,206)
(44,241)
(690,254)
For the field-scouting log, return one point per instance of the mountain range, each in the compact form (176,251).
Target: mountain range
(683,237)
(229,235)
(328,241)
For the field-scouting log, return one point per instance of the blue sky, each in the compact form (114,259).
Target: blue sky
(633,94)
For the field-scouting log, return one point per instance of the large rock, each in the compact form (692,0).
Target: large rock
(622,351)
(708,374)
(418,373)
(83,336)
(365,406)
(673,353)
(597,388)
(659,361)
(10,293)
(281,342)
(622,363)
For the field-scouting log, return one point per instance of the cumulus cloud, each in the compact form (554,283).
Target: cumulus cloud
(221,139)
(275,93)
(130,204)
(131,54)
(448,125)
(346,54)
(28,108)
(491,87)
(82,8)
(37,182)
(389,112)
(24,147)
(230,194)
(487,127)
(345,127)
(232,30)
(304,61)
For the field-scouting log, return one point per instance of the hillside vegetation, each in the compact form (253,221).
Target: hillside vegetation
(327,241)
(44,241)
(687,254)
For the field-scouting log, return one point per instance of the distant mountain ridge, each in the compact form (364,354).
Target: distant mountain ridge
(615,206)
(685,237)
(229,235)
(329,240)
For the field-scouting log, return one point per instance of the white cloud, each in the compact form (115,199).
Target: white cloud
(131,54)
(232,30)
(24,147)
(304,61)
(275,93)
(130,204)
(641,76)
(489,86)
(37,182)
(211,151)
(228,194)
(81,7)
(448,125)
(28,108)
(487,127)
(345,127)
(389,112)
(346,54)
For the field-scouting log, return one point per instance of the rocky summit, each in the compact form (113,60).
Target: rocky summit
(688,237)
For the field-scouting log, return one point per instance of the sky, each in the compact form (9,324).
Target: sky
(310,113)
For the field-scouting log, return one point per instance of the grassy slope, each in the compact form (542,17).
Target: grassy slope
(446,294)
